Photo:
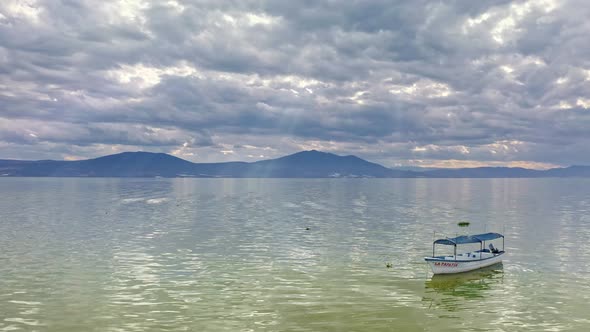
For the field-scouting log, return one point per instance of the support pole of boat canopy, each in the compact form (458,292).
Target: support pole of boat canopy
(433,244)
(455,246)
(502,243)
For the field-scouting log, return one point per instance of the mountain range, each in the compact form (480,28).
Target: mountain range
(306,164)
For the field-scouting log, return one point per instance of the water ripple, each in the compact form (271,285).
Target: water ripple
(287,255)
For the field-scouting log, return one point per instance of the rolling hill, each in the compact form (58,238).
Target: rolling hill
(305,164)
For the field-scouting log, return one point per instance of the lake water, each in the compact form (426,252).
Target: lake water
(288,255)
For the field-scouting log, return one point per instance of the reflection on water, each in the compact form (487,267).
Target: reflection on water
(288,255)
(454,291)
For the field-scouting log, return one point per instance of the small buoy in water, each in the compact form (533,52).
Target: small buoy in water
(388,265)
(306,228)
(463,224)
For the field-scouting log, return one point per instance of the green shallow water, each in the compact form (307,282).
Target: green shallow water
(288,255)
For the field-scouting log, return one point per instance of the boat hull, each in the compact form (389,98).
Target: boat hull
(446,266)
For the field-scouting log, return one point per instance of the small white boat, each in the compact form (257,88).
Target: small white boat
(468,261)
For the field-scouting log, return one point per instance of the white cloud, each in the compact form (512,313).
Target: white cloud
(29,10)
(583,102)
(146,77)
(422,88)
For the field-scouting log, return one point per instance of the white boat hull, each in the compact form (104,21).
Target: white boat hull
(451,264)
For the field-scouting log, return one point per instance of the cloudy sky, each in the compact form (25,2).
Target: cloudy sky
(430,83)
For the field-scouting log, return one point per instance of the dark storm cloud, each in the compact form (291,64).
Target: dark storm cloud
(396,82)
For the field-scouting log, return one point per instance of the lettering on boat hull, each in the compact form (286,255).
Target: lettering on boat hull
(446,264)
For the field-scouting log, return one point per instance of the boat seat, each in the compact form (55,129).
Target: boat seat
(493,250)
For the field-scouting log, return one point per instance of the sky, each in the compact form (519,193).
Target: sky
(457,83)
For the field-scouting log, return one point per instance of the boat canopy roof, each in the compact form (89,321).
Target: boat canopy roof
(463,239)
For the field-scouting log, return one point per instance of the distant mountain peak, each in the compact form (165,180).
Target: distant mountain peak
(308,155)
(138,153)
(311,153)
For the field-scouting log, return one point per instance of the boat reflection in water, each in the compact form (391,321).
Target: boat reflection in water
(454,291)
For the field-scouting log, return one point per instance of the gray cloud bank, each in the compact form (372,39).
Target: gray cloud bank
(454,83)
